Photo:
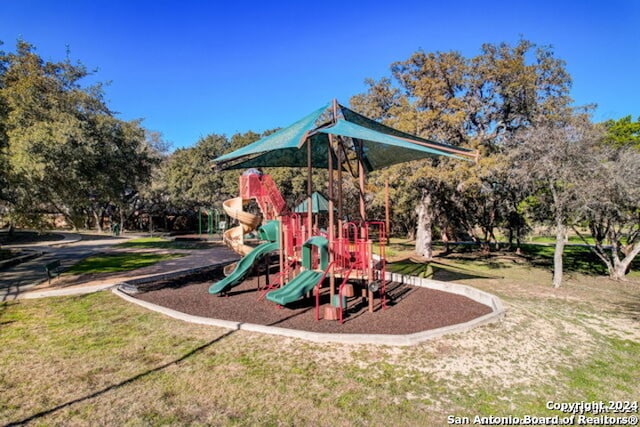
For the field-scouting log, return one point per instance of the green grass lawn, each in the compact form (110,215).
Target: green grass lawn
(160,243)
(111,263)
(96,359)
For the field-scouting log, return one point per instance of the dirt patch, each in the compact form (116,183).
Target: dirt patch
(409,309)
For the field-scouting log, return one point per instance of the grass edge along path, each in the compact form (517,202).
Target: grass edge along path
(117,262)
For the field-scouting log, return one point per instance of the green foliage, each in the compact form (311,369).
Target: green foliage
(189,181)
(623,132)
(541,161)
(188,176)
(478,102)
(64,150)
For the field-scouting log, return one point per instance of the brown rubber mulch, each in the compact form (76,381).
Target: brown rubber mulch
(409,309)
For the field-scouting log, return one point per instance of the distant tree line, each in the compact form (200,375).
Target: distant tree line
(543,161)
(62,150)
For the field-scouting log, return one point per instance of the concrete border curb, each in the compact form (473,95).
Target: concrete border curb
(477,295)
(128,285)
(453,288)
(65,292)
(131,286)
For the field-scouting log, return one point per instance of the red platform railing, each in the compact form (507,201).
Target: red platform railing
(263,189)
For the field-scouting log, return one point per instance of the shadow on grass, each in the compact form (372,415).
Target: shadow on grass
(576,259)
(3,308)
(437,270)
(122,383)
(629,304)
(21,237)
(632,309)
(7,254)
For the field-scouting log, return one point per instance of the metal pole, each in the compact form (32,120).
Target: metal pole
(363,215)
(210,223)
(340,161)
(309,190)
(387,221)
(281,247)
(332,278)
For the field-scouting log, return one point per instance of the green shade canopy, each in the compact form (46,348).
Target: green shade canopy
(359,119)
(281,148)
(382,145)
(319,203)
(380,149)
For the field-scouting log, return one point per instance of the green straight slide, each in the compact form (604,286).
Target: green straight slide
(296,288)
(243,267)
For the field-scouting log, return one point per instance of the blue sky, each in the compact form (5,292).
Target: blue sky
(191,68)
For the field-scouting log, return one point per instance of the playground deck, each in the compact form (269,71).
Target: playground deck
(412,309)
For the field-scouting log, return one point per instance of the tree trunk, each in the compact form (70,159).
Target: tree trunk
(495,240)
(620,267)
(557,254)
(484,244)
(424,234)
(445,240)
(103,216)
(70,220)
(618,272)
(98,220)
(510,244)
(122,219)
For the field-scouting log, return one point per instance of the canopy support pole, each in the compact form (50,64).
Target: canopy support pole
(332,277)
(363,215)
(387,221)
(340,161)
(309,191)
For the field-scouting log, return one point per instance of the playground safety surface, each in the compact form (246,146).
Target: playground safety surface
(410,309)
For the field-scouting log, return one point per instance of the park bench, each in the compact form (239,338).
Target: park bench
(52,268)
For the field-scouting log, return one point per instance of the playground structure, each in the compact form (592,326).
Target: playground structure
(264,191)
(306,255)
(344,252)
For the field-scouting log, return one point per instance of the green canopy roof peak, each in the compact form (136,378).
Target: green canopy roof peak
(382,145)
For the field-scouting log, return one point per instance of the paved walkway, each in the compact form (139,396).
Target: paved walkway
(29,279)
